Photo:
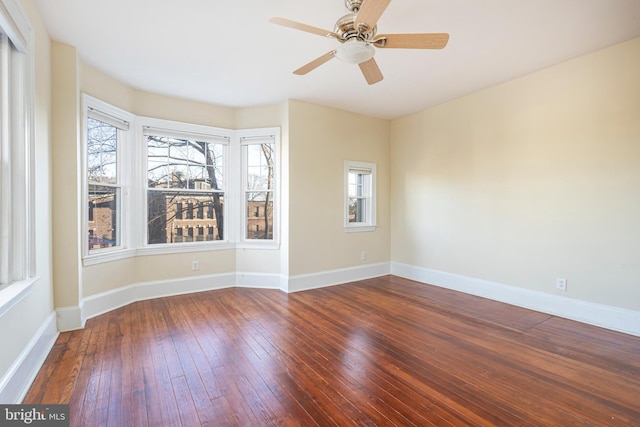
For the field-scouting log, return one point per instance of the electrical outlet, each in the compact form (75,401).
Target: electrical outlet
(363,255)
(561,284)
(195,265)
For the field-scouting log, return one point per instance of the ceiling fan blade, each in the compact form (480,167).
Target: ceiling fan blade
(315,63)
(370,12)
(412,41)
(302,27)
(371,71)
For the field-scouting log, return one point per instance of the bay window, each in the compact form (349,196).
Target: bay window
(179,187)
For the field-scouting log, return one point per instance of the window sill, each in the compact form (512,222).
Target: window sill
(177,248)
(12,293)
(258,245)
(360,228)
(93,259)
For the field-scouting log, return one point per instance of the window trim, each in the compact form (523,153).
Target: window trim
(134,205)
(249,137)
(180,130)
(122,119)
(20,201)
(370,224)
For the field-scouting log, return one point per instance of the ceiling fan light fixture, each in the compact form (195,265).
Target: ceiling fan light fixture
(354,52)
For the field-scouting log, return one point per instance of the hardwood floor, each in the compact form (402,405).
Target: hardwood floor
(385,351)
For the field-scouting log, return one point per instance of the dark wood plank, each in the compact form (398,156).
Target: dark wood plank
(385,351)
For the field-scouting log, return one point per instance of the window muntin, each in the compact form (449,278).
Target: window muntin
(360,184)
(185,176)
(258,158)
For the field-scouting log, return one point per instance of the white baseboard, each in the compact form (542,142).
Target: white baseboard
(69,318)
(258,280)
(614,318)
(15,383)
(103,302)
(305,282)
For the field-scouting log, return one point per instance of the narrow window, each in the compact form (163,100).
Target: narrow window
(104,179)
(259,162)
(360,186)
(17,243)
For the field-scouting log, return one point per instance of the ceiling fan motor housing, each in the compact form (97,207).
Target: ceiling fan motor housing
(346,29)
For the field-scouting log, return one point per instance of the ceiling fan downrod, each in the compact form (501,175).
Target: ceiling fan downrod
(353,5)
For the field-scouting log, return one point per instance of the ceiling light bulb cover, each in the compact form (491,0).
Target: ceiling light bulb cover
(354,52)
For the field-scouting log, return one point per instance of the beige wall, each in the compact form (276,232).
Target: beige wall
(320,140)
(99,85)
(530,180)
(65,174)
(181,110)
(19,325)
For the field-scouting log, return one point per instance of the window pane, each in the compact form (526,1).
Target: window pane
(357,210)
(102,142)
(259,215)
(359,184)
(103,217)
(215,161)
(177,162)
(259,158)
(181,163)
(173,215)
(158,172)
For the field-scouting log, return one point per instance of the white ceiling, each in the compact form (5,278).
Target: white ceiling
(227,53)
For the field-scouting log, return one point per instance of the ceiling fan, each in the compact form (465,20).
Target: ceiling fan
(356,32)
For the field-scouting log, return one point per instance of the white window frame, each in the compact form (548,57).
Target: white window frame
(369,224)
(250,137)
(17,171)
(133,166)
(123,120)
(181,130)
